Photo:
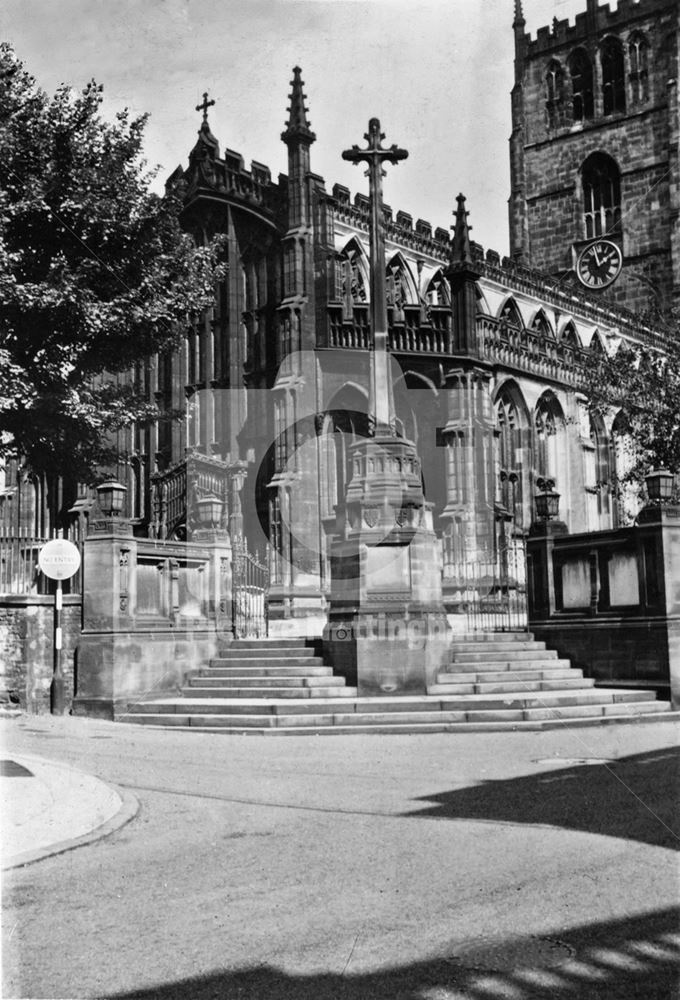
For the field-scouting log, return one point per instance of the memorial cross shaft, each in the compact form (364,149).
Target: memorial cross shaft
(374,155)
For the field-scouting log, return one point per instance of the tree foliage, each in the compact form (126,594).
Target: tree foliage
(95,273)
(643,384)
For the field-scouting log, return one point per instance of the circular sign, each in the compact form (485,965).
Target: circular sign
(59,559)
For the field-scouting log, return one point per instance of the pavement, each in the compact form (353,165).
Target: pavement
(49,808)
(499,866)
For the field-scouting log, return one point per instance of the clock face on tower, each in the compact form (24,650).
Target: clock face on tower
(599,264)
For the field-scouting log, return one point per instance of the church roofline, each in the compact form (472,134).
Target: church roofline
(493,266)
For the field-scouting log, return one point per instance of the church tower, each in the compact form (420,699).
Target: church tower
(595,193)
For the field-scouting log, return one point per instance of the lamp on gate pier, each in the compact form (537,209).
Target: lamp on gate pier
(547,501)
(111,497)
(660,507)
(209,511)
(659,484)
(111,503)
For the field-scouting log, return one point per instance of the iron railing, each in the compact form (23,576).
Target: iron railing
(490,590)
(250,592)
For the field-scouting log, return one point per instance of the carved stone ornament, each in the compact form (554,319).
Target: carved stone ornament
(371,516)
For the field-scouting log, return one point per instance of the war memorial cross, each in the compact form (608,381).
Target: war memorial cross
(375,156)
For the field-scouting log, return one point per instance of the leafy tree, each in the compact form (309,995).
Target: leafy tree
(643,383)
(95,274)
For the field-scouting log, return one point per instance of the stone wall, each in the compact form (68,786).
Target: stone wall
(610,600)
(26,649)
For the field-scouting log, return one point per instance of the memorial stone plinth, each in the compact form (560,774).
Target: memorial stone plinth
(387,631)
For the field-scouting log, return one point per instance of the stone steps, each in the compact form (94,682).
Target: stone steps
(262,680)
(549,672)
(503,656)
(258,671)
(514,685)
(498,645)
(401,722)
(496,666)
(282,687)
(238,655)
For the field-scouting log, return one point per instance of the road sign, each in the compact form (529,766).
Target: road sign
(59,559)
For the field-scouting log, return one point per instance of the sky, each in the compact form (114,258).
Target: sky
(437,73)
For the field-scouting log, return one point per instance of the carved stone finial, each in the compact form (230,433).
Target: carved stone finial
(297,126)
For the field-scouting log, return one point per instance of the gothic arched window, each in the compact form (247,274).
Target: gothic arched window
(550,457)
(554,86)
(510,423)
(510,315)
(624,457)
(437,292)
(601,196)
(352,275)
(638,57)
(613,76)
(596,473)
(543,331)
(581,73)
(399,285)
(569,338)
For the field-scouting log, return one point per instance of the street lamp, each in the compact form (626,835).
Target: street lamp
(111,497)
(547,501)
(209,511)
(659,485)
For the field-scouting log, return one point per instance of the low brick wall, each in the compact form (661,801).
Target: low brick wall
(26,649)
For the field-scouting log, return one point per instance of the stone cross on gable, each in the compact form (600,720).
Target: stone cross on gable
(374,155)
(204,107)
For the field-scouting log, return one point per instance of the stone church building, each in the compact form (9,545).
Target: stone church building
(489,350)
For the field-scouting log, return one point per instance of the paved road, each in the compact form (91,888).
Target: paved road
(440,867)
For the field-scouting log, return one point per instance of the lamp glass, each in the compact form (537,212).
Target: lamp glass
(111,496)
(547,505)
(209,511)
(659,485)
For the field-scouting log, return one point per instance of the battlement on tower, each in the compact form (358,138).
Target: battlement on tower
(603,18)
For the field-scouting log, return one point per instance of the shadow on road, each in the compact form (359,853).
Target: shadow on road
(634,797)
(633,959)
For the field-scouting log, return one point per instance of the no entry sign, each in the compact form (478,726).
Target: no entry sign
(59,559)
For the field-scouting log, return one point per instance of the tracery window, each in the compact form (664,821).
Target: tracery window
(613,76)
(510,315)
(554,84)
(509,457)
(581,73)
(596,473)
(569,343)
(396,285)
(437,292)
(351,275)
(638,56)
(550,458)
(624,457)
(544,333)
(601,196)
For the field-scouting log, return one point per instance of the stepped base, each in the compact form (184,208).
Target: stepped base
(280,687)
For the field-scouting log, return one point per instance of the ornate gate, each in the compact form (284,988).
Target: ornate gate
(250,593)
(491,590)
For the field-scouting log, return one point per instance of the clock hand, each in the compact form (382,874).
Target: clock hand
(598,262)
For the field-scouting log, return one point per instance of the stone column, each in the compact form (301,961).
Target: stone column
(469,439)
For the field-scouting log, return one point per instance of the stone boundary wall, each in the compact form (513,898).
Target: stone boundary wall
(26,649)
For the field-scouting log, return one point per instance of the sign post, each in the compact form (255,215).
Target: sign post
(59,560)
